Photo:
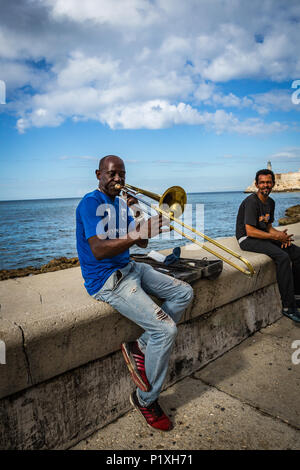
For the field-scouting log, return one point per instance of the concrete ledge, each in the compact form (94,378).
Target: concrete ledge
(60,412)
(62,346)
(50,324)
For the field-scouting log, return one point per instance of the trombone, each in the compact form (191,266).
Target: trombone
(175,198)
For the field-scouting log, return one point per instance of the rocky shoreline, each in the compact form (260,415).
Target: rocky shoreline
(292,216)
(55,264)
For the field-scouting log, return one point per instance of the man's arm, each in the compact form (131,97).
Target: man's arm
(111,247)
(133,203)
(257,233)
(108,248)
(275,233)
(271,234)
(273,230)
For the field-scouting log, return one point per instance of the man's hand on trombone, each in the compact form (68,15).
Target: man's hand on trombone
(145,228)
(151,227)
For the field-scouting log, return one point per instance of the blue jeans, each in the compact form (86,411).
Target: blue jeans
(128,290)
(288,275)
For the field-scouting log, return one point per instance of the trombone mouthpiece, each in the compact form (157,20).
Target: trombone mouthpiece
(118,186)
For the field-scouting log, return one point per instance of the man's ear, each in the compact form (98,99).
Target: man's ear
(98,172)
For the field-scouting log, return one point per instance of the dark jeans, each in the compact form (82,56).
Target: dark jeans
(288,276)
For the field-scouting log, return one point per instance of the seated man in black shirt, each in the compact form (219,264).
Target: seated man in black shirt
(254,232)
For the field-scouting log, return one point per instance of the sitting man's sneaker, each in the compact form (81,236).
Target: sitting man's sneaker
(293,313)
(153,414)
(135,361)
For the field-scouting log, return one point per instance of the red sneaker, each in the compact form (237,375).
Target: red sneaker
(153,414)
(135,361)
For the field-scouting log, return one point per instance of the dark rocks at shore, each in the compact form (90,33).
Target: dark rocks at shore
(53,265)
(292,216)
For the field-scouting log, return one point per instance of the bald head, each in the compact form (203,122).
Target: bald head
(104,162)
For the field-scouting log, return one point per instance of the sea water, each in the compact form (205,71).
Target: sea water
(32,232)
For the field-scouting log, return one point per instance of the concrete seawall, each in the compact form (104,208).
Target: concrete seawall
(64,376)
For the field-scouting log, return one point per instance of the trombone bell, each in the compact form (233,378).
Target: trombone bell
(175,200)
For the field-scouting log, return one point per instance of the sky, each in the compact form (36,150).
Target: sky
(200,93)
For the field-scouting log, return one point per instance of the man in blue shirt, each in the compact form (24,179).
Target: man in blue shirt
(105,230)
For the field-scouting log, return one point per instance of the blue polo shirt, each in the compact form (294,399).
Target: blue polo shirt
(98,214)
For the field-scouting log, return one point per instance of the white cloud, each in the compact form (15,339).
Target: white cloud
(274,100)
(117,12)
(51,110)
(80,70)
(204,91)
(83,157)
(154,114)
(287,154)
(17,74)
(159,114)
(146,63)
(230,100)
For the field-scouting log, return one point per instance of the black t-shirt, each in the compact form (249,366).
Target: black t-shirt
(253,212)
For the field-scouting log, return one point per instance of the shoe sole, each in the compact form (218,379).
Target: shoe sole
(136,378)
(144,419)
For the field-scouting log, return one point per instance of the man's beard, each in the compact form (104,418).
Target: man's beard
(266,192)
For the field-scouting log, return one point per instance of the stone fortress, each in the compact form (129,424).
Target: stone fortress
(284,182)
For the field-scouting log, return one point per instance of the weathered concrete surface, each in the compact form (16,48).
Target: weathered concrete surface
(266,363)
(11,378)
(65,409)
(238,401)
(61,327)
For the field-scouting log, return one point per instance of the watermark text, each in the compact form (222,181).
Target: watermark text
(296,354)
(119,223)
(2,92)
(2,352)
(296,94)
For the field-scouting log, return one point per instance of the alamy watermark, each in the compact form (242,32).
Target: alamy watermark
(2,92)
(118,223)
(296,354)
(295,95)
(2,352)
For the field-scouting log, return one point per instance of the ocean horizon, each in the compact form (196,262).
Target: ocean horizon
(80,197)
(35,231)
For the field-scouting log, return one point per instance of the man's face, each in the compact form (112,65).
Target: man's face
(111,173)
(265,184)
